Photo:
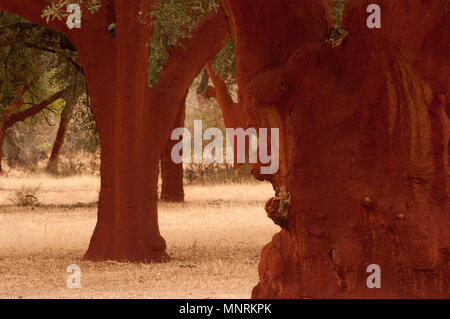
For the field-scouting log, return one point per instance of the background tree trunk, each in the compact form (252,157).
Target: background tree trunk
(2,138)
(362,176)
(3,129)
(171,173)
(53,162)
(5,121)
(66,116)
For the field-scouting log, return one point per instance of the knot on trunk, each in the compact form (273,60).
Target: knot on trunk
(277,208)
(368,203)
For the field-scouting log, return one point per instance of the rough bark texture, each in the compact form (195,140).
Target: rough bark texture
(133,121)
(171,173)
(364,145)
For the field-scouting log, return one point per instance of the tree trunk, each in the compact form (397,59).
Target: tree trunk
(3,129)
(5,121)
(2,138)
(66,116)
(363,148)
(172,173)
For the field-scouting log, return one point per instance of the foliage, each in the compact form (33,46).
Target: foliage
(216,174)
(338,33)
(83,135)
(36,57)
(225,63)
(57,8)
(27,143)
(80,163)
(22,62)
(173,20)
(18,65)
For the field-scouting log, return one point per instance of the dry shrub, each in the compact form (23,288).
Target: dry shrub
(26,196)
(82,163)
(216,174)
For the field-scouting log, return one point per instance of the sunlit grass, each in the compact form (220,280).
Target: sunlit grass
(214,239)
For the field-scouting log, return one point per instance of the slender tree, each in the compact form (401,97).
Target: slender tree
(172,189)
(171,173)
(71,98)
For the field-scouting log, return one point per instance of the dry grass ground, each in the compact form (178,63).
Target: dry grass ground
(215,240)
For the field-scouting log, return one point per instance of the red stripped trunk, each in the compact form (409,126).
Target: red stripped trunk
(172,173)
(66,116)
(127,227)
(363,148)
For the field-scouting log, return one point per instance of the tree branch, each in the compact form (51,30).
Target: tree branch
(205,41)
(221,94)
(21,116)
(221,89)
(17,101)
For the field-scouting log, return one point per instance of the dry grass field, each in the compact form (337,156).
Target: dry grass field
(214,239)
